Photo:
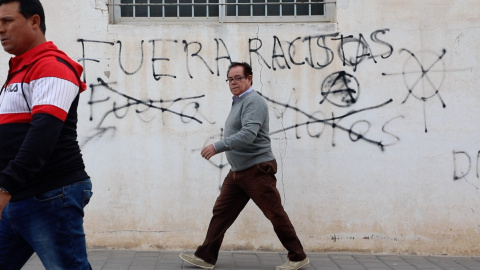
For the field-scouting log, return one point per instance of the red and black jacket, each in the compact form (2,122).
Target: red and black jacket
(38,123)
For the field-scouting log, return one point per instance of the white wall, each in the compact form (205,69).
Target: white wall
(416,96)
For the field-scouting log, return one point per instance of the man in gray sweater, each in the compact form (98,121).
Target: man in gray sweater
(248,149)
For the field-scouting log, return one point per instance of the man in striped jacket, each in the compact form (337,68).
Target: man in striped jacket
(43,184)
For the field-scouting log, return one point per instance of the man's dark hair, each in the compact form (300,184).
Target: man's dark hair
(28,8)
(247,69)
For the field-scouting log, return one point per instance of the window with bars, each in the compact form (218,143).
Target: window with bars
(221,10)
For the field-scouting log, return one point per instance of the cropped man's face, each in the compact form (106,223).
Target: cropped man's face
(239,83)
(17,33)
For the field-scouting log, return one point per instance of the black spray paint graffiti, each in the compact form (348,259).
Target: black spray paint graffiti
(462,165)
(423,80)
(119,111)
(84,59)
(340,89)
(423,74)
(192,50)
(358,131)
(283,54)
(363,50)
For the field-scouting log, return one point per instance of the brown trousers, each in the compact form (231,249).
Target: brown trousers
(259,184)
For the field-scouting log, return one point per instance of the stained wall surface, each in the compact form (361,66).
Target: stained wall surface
(374,120)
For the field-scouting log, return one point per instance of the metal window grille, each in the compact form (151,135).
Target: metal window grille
(221,10)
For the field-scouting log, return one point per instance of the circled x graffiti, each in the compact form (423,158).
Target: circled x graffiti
(341,89)
(424,82)
(423,74)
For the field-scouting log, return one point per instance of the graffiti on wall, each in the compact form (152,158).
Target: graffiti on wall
(465,165)
(423,80)
(139,106)
(351,51)
(333,122)
(283,56)
(423,75)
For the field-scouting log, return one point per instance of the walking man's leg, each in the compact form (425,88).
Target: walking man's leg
(263,191)
(228,206)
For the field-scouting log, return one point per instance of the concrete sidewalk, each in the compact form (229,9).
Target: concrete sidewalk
(239,260)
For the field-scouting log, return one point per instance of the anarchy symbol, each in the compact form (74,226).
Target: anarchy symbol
(341,89)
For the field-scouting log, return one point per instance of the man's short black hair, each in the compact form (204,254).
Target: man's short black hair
(28,8)
(247,69)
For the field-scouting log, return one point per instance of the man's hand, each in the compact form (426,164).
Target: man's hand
(4,199)
(208,152)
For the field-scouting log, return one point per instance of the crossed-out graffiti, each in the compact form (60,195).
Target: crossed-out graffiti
(342,89)
(284,55)
(120,111)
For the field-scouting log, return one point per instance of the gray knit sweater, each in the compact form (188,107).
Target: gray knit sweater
(246,141)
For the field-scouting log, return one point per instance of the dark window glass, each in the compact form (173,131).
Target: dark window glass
(302,9)
(200,10)
(171,10)
(213,9)
(288,9)
(273,10)
(141,10)
(313,8)
(185,10)
(231,9)
(210,8)
(243,10)
(126,11)
(318,9)
(156,10)
(259,10)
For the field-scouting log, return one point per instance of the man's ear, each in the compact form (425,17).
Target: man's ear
(35,21)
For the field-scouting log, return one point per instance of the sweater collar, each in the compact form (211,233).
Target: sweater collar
(236,99)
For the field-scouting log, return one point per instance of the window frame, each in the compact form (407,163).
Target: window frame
(116,18)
